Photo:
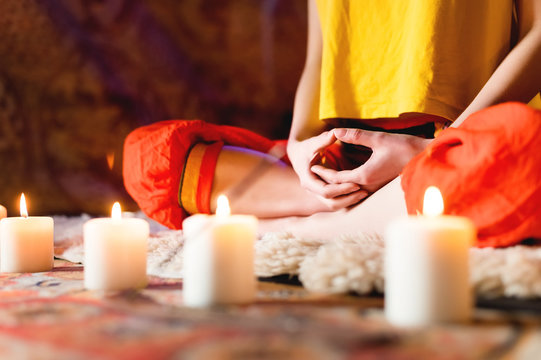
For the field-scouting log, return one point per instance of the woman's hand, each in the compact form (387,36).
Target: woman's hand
(305,155)
(390,153)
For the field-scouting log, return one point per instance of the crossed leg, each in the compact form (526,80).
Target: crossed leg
(164,178)
(277,198)
(370,216)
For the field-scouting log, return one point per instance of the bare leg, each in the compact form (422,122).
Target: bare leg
(370,216)
(277,198)
(276,192)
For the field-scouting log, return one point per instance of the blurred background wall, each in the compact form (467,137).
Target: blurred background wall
(76,76)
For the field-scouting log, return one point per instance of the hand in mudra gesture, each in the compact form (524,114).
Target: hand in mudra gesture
(390,153)
(308,153)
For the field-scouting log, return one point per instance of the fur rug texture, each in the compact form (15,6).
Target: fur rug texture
(351,263)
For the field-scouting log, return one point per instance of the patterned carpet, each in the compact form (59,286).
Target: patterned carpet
(51,316)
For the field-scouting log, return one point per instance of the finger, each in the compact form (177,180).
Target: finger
(331,191)
(357,136)
(332,176)
(345,201)
(323,140)
(328,191)
(316,158)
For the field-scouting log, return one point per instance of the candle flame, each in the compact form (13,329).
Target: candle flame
(116,212)
(110,159)
(24,211)
(433,202)
(222,207)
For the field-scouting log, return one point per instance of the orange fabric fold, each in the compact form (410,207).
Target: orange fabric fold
(489,170)
(155,156)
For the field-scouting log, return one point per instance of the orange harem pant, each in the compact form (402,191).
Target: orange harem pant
(488,169)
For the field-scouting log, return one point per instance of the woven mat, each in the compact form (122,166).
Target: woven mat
(341,265)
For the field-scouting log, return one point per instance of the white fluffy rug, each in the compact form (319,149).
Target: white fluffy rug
(344,264)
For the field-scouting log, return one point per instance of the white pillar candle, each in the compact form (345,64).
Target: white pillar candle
(426,266)
(26,242)
(219,258)
(115,252)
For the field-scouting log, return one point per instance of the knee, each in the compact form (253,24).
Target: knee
(487,170)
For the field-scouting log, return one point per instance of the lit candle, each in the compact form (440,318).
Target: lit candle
(426,266)
(26,242)
(219,258)
(115,252)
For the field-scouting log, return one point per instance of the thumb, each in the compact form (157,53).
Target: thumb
(322,141)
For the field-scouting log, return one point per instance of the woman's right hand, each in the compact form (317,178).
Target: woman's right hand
(306,153)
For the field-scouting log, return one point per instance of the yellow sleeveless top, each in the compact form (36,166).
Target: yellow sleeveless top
(384,58)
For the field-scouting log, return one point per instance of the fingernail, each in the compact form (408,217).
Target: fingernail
(339,132)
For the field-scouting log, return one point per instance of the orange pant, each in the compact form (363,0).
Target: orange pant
(155,157)
(488,170)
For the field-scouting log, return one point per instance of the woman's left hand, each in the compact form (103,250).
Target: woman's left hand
(390,153)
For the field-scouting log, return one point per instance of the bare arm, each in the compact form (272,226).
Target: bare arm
(306,107)
(518,77)
(307,138)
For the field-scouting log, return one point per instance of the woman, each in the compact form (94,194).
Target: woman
(378,76)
